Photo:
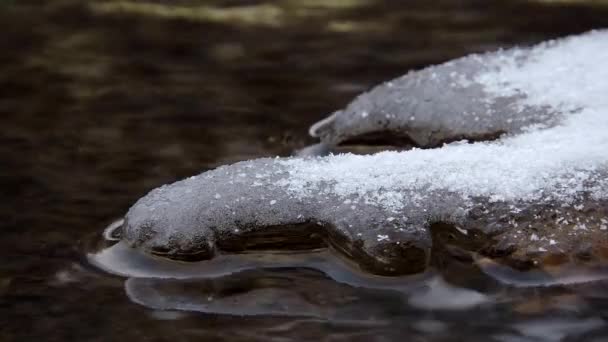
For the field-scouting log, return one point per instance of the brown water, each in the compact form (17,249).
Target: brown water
(102,101)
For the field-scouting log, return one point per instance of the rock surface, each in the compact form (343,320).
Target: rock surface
(433,106)
(541,189)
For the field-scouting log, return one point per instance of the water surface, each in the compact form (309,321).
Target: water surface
(102,101)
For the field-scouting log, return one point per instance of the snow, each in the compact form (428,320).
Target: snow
(382,237)
(568,76)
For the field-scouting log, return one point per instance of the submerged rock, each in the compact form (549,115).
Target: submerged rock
(542,187)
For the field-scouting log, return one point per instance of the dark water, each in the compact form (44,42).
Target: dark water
(102,101)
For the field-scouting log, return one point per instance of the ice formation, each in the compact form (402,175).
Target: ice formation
(548,104)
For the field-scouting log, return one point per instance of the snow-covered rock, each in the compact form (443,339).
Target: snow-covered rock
(536,162)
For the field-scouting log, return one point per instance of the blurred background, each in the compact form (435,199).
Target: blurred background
(103,100)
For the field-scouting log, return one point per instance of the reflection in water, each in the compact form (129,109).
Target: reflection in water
(555,329)
(301,293)
(565,274)
(316,286)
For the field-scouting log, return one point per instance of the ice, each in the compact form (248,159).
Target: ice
(123,261)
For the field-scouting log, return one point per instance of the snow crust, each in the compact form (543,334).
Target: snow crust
(568,76)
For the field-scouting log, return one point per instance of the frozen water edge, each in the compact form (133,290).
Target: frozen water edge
(123,261)
(569,76)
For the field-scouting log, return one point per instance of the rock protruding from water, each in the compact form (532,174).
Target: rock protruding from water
(540,189)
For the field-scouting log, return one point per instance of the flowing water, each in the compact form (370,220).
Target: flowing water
(102,101)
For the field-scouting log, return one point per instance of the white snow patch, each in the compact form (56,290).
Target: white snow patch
(569,76)
(382,237)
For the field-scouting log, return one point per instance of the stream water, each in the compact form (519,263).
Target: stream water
(101,101)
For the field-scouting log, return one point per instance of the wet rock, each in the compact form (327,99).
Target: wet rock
(539,190)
